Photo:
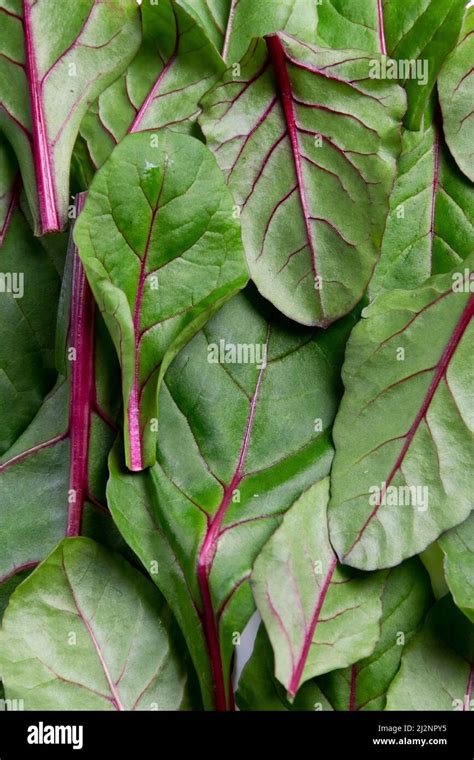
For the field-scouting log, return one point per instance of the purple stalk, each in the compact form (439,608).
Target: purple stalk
(383,46)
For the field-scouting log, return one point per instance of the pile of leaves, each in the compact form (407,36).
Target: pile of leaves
(236,357)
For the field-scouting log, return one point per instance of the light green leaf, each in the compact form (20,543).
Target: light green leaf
(458,547)
(161,248)
(307,142)
(247,407)
(437,666)
(85,632)
(403,433)
(456,94)
(50,73)
(319,616)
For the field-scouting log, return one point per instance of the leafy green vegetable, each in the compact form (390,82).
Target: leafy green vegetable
(308,145)
(458,546)
(456,94)
(437,666)
(85,631)
(162,252)
(49,76)
(246,406)
(403,433)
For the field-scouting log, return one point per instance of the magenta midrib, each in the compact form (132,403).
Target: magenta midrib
(278,56)
(208,550)
(383,46)
(441,370)
(41,152)
(470,681)
(309,635)
(353,689)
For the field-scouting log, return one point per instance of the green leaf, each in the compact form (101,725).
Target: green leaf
(247,407)
(233,24)
(405,601)
(437,666)
(9,189)
(260,690)
(50,73)
(354,24)
(458,547)
(162,251)
(28,325)
(175,66)
(456,94)
(422,33)
(430,226)
(403,433)
(319,616)
(309,155)
(433,560)
(85,632)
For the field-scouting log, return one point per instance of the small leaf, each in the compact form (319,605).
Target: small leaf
(162,252)
(50,73)
(318,615)
(85,632)
(458,547)
(247,407)
(456,95)
(430,226)
(437,666)
(405,601)
(307,142)
(403,433)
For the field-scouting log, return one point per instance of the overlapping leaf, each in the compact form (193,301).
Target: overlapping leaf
(86,632)
(437,667)
(318,615)
(175,66)
(162,251)
(456,94)
(50,73)
(354,24)
(9,188)
(458,547)
(246,433)
(232,24)
(430,226)
(308,145)
(403,433)
(405,601)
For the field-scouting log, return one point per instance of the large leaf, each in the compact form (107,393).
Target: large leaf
(438,665)
(309,155)
(319,616)
(9,188)
(28,327)
(85,632)
(57,468)
(430,227)
(50,73)
(422,32)
(456,94)
(260,690)
(173,69)
(247,407)
(162,251)
(405,602)
(232,24)
(403,433)
(458,547)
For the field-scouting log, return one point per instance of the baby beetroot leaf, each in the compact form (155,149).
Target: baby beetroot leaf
(9,189)
(430,224)
(245,436)
(456,94)
(307,142)
(162,251)
(49,79)
(162,86)
(458,547)
(319,616)
(437,670)
(403,431)
(61,646)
